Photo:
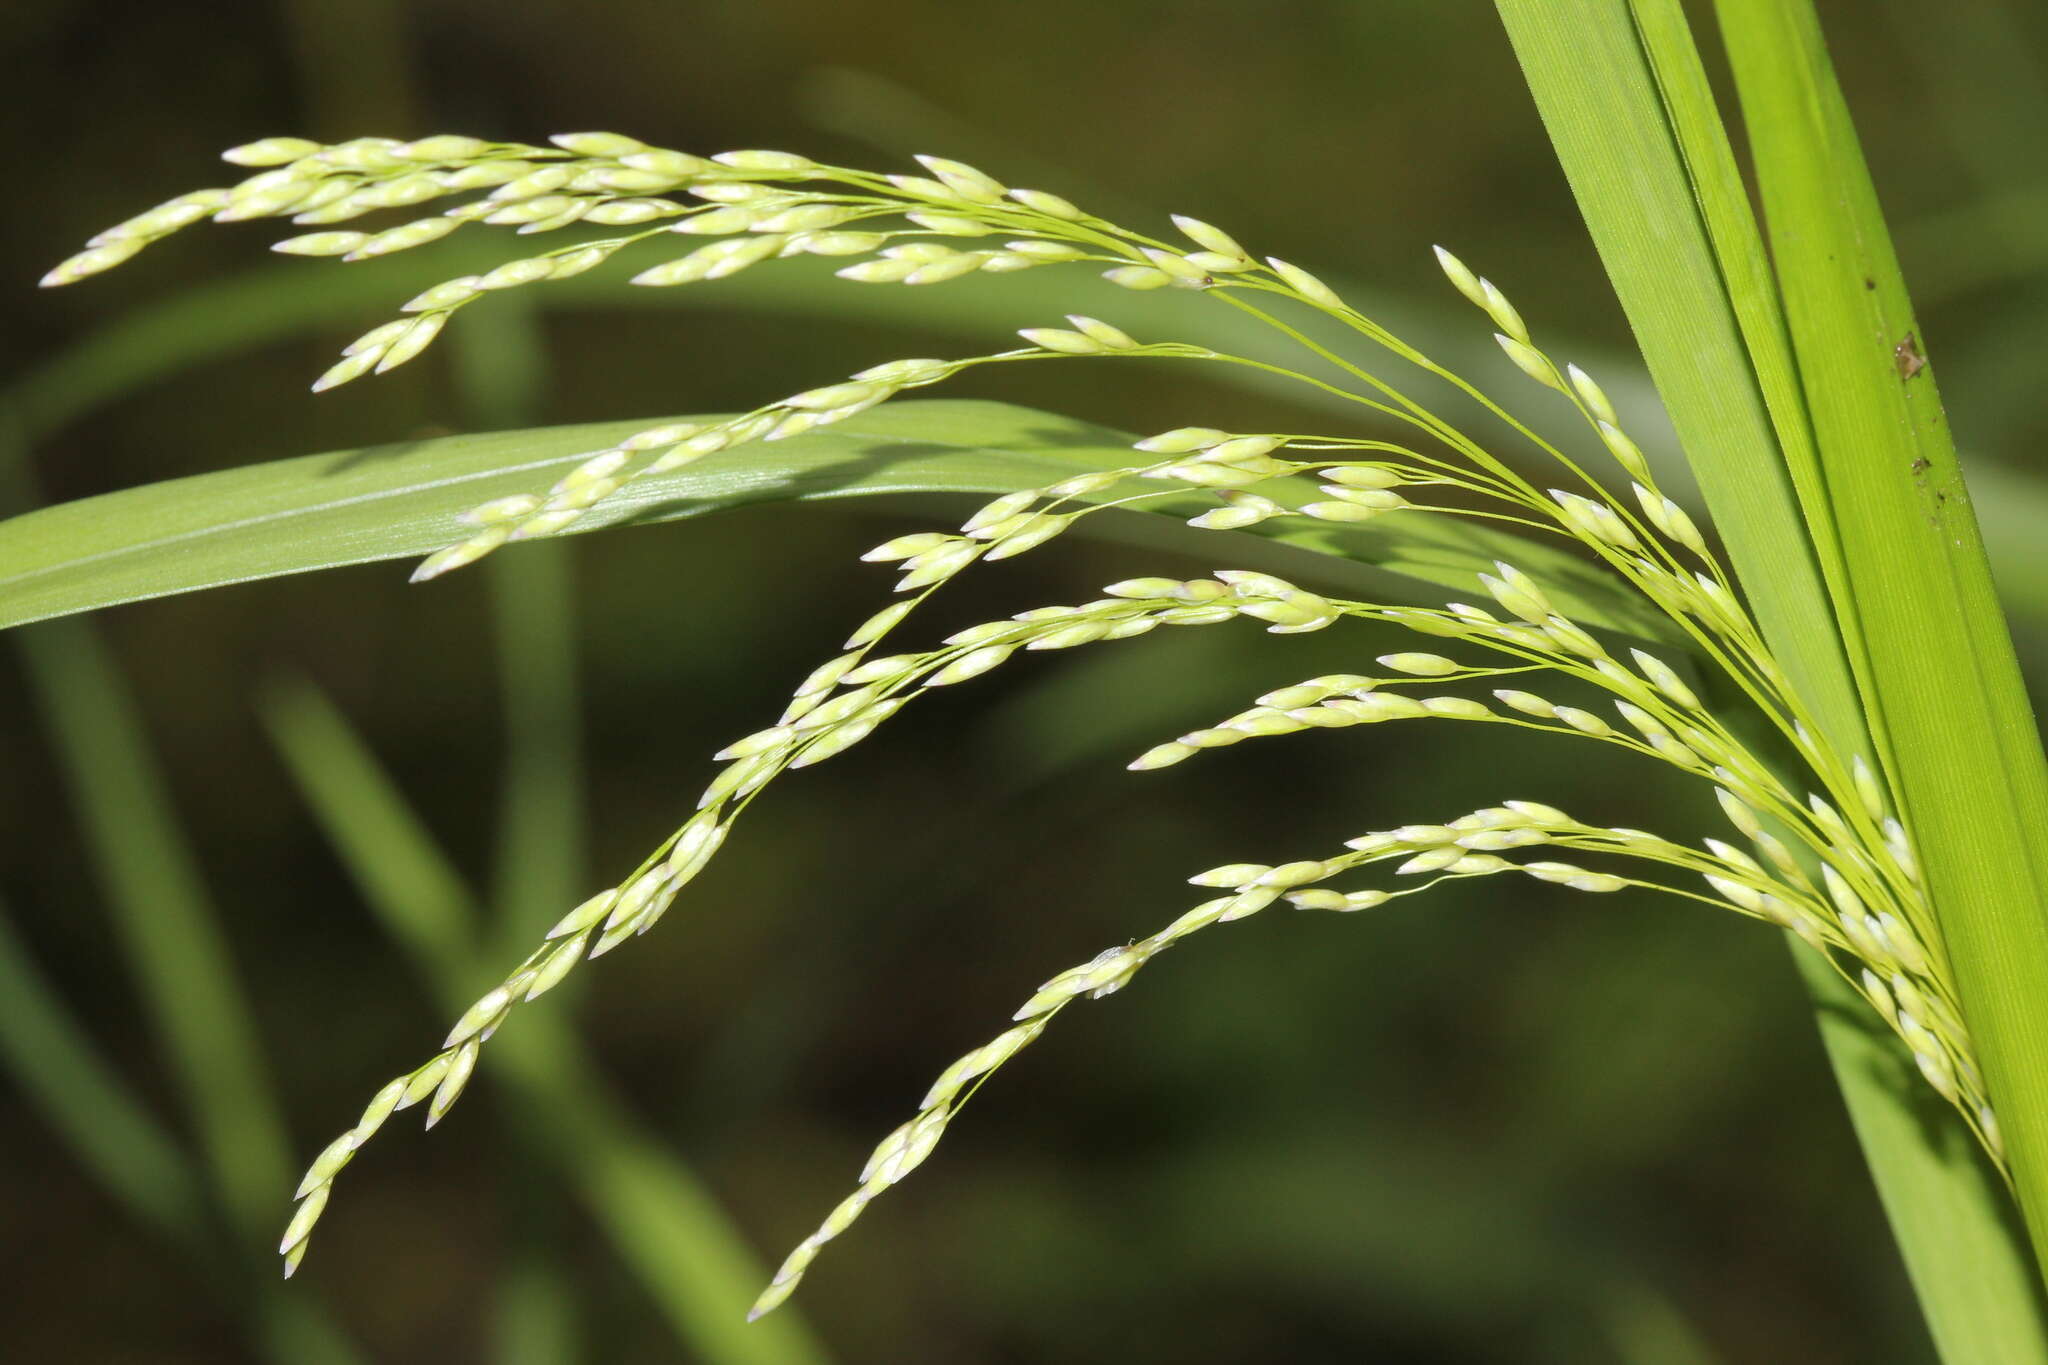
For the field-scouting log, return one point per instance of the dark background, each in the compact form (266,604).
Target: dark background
(1509,1125)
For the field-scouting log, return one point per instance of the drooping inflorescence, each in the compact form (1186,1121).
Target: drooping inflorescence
(1819,849)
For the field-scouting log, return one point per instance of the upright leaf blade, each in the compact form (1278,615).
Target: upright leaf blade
(164,915)
(1682,252)
(1948,703)
(54,1064)
(1600,104)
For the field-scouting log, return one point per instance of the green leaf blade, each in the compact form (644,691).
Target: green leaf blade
(401,501)
(1948,703)
(1685,271)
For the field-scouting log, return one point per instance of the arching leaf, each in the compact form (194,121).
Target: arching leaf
(401,501)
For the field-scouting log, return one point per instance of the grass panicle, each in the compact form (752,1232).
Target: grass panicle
(1817,846)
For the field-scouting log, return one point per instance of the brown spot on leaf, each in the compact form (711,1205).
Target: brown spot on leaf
(1907,356)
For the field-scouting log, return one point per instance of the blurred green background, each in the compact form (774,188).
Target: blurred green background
(255,843)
